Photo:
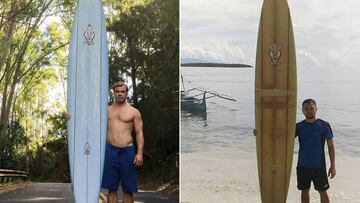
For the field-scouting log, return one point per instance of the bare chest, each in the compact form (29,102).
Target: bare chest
(120,117)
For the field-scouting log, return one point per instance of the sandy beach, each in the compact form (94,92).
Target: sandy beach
(231,176)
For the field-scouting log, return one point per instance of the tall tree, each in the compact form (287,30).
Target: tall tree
(18,66)
(8,33)
(29,72)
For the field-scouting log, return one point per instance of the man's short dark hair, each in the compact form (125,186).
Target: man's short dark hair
(120,84)
(308,101)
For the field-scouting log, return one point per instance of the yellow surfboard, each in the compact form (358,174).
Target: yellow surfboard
(275,100)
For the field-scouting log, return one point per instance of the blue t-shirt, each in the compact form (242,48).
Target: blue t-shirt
(312,140)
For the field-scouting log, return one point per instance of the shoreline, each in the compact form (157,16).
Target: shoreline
(231,176)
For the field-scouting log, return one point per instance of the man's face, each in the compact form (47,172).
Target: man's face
(120,94)
(309,110)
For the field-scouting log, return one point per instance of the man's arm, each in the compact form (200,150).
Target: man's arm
(331,149)
(138,125)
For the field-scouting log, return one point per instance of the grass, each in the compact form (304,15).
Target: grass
(6,187)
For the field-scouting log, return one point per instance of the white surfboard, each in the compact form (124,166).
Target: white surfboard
(87,90)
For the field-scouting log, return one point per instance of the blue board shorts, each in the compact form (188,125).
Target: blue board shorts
(119,167)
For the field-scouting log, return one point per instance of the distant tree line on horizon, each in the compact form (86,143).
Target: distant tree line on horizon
(225,65)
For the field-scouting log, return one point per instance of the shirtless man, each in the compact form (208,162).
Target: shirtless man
(120,157)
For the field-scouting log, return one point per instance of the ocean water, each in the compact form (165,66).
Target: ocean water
(230,124)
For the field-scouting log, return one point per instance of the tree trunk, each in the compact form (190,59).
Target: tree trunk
(19,59)
(8,104)
(13,112)
(133,71)
(5,97)
(135,92)
(9,31)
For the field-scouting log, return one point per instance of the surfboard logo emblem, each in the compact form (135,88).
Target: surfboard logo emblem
(87,149)
(275,54)
(273,170)
(89,35)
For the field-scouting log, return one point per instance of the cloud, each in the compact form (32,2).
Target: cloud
(306,59)
(219,30)
(327,13)
(214,51)
(326,31)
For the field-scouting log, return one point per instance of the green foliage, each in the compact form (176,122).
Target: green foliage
(58,126)
(12,153)
(52,155)
(44,162)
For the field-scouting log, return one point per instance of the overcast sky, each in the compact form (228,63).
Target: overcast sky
(327,32)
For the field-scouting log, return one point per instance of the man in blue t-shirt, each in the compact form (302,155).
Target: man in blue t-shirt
(312,134)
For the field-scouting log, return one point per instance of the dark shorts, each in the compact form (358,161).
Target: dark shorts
(119,167)
(317,175)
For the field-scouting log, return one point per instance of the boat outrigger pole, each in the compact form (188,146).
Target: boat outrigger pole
(213,93)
